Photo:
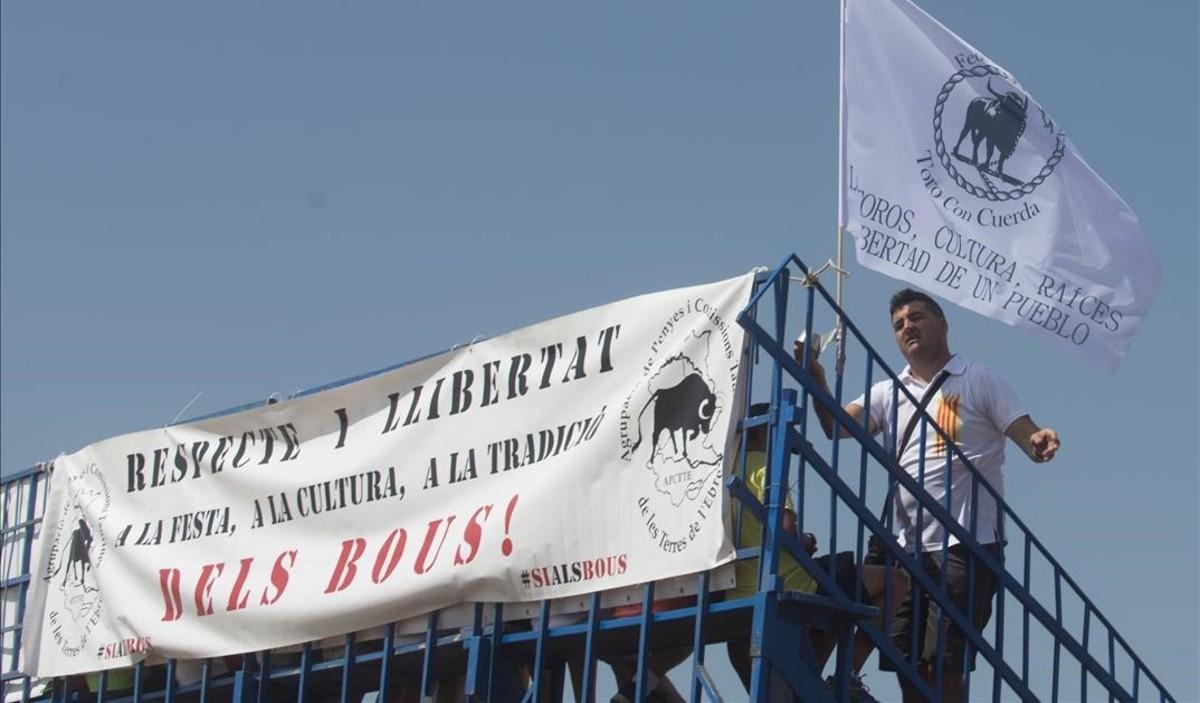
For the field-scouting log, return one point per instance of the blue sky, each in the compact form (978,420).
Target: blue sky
(236,200)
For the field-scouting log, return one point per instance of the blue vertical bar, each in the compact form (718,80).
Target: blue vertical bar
(644,640)
(206,679)
(540,652)
(801,416)
(1112,662)
(139,681)
(431,625)
(1025,613)
(776,483)
(264,666)
(347,663)
(782,415)
(385,661)
(835,458)
(940,666)
(1058,617)
(778,454)
(12,488)
(27,568)
(862,496)
(971,570)
(244,679)
(698,637)
(305,672)
(1087,624)
(238,694)
(493,657)
(588,684)
(890,502)
(996,680)
(760,664)
(919,529)
(169,694)
(476,668)
(971,584)
(102,694)
(918,546)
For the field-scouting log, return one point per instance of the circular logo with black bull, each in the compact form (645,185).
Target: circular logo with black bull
(76,552)
(672,425)
(990,140)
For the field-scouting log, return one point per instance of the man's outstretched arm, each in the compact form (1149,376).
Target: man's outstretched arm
(1039,443)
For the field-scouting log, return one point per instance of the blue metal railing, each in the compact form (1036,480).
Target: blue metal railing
(24,500)
(516,659)
(1014,586)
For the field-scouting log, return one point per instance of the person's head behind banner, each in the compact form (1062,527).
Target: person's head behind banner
(756,437)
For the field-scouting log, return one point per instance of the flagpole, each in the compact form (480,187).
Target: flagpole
(839,273)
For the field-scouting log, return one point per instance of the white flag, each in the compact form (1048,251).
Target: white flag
(957,181)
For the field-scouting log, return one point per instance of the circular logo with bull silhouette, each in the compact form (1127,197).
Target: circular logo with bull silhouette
(77,550)
(674,425)
(993,142)
(678,414)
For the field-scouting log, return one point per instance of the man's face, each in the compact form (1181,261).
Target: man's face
(920,334)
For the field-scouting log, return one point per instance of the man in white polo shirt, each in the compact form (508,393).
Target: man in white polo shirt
(977,410)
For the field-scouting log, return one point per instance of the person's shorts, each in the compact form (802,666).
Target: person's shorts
(795,578)
(843,570)
(927,616)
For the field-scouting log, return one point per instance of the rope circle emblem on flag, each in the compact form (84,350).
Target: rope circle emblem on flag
(981,123)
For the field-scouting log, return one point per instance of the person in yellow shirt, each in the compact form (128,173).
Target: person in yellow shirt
(794,577)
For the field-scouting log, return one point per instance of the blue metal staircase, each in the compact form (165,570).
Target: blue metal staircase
(1040,613)
(1046,639)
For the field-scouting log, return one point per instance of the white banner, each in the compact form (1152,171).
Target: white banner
(957,181)
(580,454)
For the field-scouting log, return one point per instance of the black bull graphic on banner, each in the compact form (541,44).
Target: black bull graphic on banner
(687,407)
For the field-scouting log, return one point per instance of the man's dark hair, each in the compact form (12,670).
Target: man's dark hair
(756,437)
(757,410)
(908,295)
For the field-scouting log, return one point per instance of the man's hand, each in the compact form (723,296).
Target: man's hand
(854,410)
(1039,443)
(1043,443)
(814,366)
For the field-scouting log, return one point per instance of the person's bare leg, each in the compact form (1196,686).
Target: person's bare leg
(452,689)
(908,692)
(952,684)
(575,668)
(874,582)
(623,669)
(823,643)
(667,690)
(661,664)
(739,659)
